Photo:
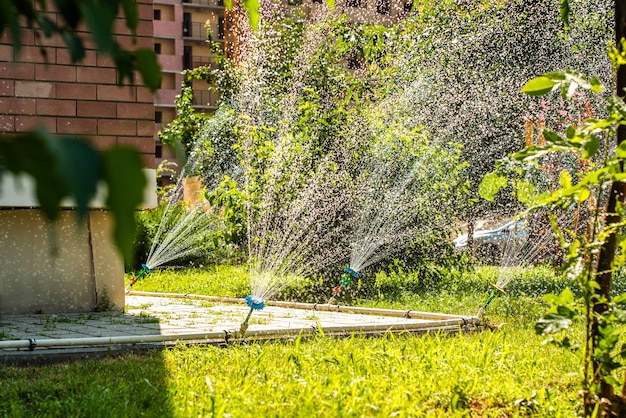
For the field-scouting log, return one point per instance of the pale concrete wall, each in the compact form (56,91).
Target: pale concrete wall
(68,266)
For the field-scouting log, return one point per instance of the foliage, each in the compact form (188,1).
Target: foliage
(230,202)
(601,316)
(185,128)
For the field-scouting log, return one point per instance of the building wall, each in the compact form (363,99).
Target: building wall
(71,266)
(84,98)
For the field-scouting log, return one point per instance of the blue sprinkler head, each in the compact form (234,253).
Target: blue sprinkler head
(255,302)
(146,268)
(355,274)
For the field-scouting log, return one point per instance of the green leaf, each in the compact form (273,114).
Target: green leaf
(253,7)
(590,147)
(331,4)
(99,18)
(126,181)
(596,85)
(149,68)
(132,14)
(565,179)
(32,154)
(75,44)
(491,185)
(539,86)
(551,324)
(621,150)
(565,12)
(80,169)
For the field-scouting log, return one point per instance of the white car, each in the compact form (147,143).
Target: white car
(490,244)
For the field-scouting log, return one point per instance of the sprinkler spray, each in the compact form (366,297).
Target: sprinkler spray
(491,297)
(256,304)
(345,279)
(144,270)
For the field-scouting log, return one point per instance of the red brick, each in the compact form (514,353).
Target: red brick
(103,60)
(146,127)
(76,91)
(55,41)
(144,95)
(116,93)
(81,126)
(142,144)
(148,160)
(96,109)
(37,55)
(28,123)
(64,58)
(135,111)
(6,51)
(7,124)
(53,72)
(34,89)
(102,142)
(7,88)
(117,127)
(130,43)
(145,11)
(17,71)
(56,107)
(27,37)
(96,75)
(17,106)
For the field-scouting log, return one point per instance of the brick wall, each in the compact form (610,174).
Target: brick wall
(83,98)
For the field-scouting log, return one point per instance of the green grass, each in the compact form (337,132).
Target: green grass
(504,372)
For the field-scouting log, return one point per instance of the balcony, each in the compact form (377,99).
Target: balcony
(204,3)
(198,31)
(197,61)
(205,98)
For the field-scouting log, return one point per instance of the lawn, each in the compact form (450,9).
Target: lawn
(501,371)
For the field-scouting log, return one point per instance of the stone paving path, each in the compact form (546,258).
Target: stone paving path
(151,320)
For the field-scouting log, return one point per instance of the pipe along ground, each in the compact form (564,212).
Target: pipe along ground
(308,306)
(443,322)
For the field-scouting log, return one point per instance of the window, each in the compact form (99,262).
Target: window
(186,24)
(158,151)
(187,57)
(157,14)
(220,27)
(383,6)
(157,48)
(353,3)
(158,116)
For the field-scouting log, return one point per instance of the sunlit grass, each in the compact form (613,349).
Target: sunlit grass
(508,372)
(504,371)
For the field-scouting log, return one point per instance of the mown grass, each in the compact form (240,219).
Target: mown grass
(506,371)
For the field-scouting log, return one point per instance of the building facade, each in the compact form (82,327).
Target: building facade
(68,266)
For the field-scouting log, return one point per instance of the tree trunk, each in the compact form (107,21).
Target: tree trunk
(607,252)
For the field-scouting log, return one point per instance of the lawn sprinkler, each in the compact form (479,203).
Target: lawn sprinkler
(491,297)
(345,279)
(145,270)
(256,304)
